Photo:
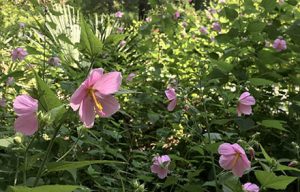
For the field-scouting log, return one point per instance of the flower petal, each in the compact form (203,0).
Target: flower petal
(226,161)
(162,173)
(155,168)
(248,100)
(109,83)
(244,109)
(78,96)
(226,149)
(87,112)
(241,166)
(94,77)
(26,124)
(170,93)
(110,105)
(238,149)
(172,105)
(24,105)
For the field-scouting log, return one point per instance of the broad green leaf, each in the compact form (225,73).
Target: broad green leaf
(260,81)
(231,14)
(269,5)
(230,183)
(286,168)
(46,188)
(57,113)
(47,98)
(255,27)
(67,165)
(171,180)
(276,124)
(270,180)
(88,40)
(294,31)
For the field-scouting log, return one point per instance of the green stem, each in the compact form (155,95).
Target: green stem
(47,155)
(25,158)
(211,154)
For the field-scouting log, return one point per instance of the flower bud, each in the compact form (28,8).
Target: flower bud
(293,164)
(252,153)
(17,140)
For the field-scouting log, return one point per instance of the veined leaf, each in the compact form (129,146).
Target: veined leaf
(270,180)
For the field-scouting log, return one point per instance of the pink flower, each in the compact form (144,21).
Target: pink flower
(130,77)
(190,1)
(95,96)
(119,14)
(55,61)
(203,30)
(18,53)
(122,43)
(250,187)
(120,29)
(148,19)
(26,107)
(176,14)
(244,105)
(2,102)
(171,95)
(160,166)
(10,81)
(233,158)
(216,26)
(279,44)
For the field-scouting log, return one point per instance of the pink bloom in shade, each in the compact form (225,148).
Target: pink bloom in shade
(95,96)
(120,29)
(245,103)
(18,53)
(233,158)
(26,107)
(148,19)
(216,26)
(279,44)
(119,14)
(130,77)
(2,102)
(10,81)
(160,166)
(203,30)
(55,61)
(171,95)
(176,14)
(250,187)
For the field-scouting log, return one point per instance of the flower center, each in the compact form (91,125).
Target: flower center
(97,103)
(236,158)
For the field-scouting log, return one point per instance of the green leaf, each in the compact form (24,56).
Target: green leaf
(57,113)
(286,168)
(67,165)
(255,27)
(260,81)
(47,98)
(88,40)
(269,5)
(231,14)
(265,154)
(270,180)
(276,124)
(64,38)
(48,188)
(6,142)
(294,31)
(230,183)
(171,180)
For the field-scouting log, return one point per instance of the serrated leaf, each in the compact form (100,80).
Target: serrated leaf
(67,165)
(276,124)
(270,180)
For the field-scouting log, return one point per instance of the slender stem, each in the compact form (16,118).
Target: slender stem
(25,158)
(17,172)
(44,45)
(47,155)
(211,154)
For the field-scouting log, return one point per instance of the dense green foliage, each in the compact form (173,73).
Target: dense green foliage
(209,72)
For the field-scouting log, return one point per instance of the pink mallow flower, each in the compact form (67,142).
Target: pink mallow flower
(95,96)
(203,30)
(234,158)
(148,19)
(279,44)
(26,109)
(18,53)
(130,77)
(54,61)
(119,14)
(10,81)
(216,26)
(160,166)
(250,187)
(245,103)
(176,14)
(171,95)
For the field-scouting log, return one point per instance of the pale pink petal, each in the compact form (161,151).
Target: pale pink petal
(78,96)
(170,93)
(26,124)
(24,105)
(87,112)
(165,158)
(244,95)
(250,187)
(110,105)
(109,83)
(241,166)
(162,173)
(172,105)
(248,100)
(238,149)
(155,168)
(226,149)
(94,77)
(226,161)
(244,109)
